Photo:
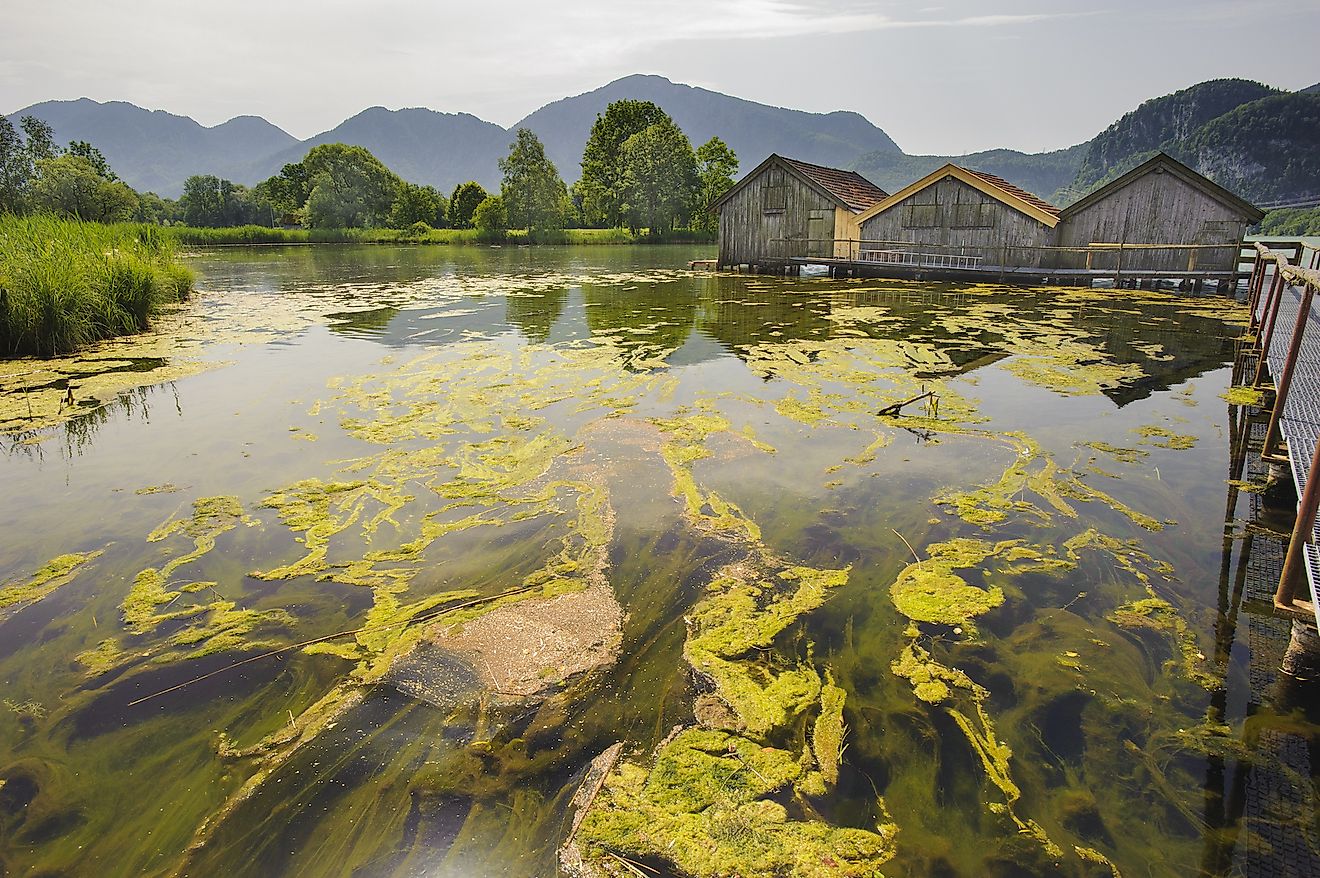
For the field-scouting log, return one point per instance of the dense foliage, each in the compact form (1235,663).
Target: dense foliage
(1295,221)
(463,202)
(1266,150)
(533,194)
(65,283)
(601,187)
(210,201)
(659,177)
(716,167)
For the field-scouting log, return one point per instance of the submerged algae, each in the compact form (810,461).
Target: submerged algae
(54,573)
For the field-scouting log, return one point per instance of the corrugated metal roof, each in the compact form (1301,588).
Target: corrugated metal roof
(1015,191)
(849,187)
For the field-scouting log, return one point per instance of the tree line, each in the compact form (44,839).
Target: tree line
(639,171)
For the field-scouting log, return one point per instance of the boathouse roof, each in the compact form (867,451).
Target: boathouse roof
(1164,163)
(996,187)
(847,189)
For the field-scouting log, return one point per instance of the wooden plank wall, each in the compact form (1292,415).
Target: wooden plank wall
(748,228)
(988,225)
(1158,208)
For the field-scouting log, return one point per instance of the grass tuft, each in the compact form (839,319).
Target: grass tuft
(65,284)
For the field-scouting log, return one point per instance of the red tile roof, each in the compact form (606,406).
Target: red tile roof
(849,187)
(1016,192)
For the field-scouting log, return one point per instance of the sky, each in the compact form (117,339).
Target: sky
(943,78)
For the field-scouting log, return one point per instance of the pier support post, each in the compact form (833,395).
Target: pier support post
(1283,381)
(1294,563)
(1302,660)
(1267,336)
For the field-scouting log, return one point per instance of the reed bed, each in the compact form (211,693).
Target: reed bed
(65,283)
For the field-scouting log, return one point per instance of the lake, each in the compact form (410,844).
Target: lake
(357,565)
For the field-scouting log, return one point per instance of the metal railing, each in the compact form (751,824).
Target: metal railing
(1289,295)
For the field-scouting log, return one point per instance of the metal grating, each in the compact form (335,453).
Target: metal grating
(1280,839)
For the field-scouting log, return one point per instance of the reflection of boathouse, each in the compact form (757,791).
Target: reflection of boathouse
(1159,221)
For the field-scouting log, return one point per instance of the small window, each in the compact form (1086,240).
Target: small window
(775,192)
(973,215)
(921,216)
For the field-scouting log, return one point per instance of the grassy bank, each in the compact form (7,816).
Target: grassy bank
(65,283)
(197,237)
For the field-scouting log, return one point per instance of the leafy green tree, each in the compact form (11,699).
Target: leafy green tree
(716,165)
(337,185)
(463,202)
(70,185)
(490,218)
(601,185)
(83,149)
(19,154)
(155,210)
(532,191)
(417,204)
(659,177)
(210,201)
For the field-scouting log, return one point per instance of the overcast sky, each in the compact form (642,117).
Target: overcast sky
(947,77)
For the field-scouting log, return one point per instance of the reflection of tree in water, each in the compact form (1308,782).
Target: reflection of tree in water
(741,318)
(79,431)
(370,323)
(535,314)
(657,317)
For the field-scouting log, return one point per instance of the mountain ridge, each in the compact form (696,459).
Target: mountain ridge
(1203,125)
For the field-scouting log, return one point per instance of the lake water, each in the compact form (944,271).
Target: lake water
(1022,594)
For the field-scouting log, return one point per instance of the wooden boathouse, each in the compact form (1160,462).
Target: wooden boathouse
(1159,222)
(785,208)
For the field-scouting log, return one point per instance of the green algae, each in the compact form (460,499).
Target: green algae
(931,681)
(211,517)
(106,656)
(1122,455)
(1243,396)
(56,572)
(1156,614)
(930,591)
(705,807)
(1162,437)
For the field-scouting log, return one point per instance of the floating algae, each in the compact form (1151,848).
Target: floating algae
(1122,455)
(1156,614)
(54,573)
(1243,396)
(929,590)
(212,516)
(1162,437)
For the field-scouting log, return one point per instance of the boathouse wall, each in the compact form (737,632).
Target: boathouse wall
(773,205)
(1158,208)
(951,216)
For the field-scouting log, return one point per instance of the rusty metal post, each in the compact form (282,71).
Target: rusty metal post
(1294,564)
(1267,337)
(1284,380)
(1254,286)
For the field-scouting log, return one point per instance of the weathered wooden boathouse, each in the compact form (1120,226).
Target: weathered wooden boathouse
(1161,221)
(957,216)
(1161,201)
(785,208)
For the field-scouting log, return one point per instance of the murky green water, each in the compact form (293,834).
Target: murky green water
(398,430)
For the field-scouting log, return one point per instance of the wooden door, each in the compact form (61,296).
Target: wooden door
(820,233)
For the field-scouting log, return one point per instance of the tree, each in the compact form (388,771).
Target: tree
(490,219)
(417,204)
(212,202)
(659,180)
(19,154)
(532,191)
(463,202)
(716,165)
(70,185)
(85,150)
(339,186)
(601,186)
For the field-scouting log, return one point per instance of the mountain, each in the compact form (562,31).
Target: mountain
(1267,150)
(752,130)
(424,146)
(1161,122)
(156,151)
(1311,89)
(1041,173)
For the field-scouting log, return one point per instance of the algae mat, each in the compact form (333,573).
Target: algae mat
(414,534)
